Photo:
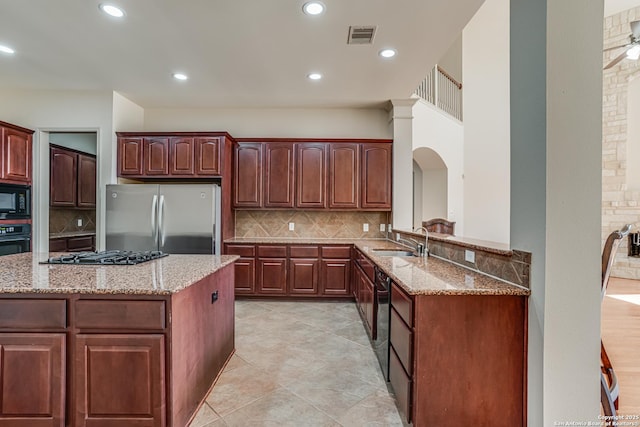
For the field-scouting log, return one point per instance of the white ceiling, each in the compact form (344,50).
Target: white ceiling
(252,53)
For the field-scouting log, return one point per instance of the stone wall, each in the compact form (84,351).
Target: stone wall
(619,205)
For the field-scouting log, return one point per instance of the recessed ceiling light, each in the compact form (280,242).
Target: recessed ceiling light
(387,53)
(313,8)
(112,10)
(6,49)
(314,76)
(180,76)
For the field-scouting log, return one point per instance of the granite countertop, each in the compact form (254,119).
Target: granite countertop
(295,240)
(477,244)
(22,273)
(433,275)
(71,234)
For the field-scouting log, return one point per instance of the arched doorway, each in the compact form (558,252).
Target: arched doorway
(430,177)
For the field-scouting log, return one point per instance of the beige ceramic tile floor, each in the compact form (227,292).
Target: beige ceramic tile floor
(299,364)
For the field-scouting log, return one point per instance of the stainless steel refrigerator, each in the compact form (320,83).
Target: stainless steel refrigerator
(172,218)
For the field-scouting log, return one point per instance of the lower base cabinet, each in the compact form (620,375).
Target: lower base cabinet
(459,360)
(73,244)
(32,371)
(120,380)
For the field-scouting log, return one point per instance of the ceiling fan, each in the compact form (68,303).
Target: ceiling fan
(632,49)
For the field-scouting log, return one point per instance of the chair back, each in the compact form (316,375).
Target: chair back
(609,254)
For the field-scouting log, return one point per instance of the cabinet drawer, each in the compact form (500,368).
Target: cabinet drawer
(304,252)
(113,314)
(33,313)
(401,338)
(336,252)
(58,245)
(272,251)
(403,304)
(242,250)
(401,384)
(84,242)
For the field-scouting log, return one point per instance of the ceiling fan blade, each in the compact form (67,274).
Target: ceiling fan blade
(616,47)
(635,28)
(616,60)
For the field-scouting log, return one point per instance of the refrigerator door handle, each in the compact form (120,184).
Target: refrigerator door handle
(154,210)
(161,220)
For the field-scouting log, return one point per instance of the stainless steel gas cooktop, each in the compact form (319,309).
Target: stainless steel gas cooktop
(107,257)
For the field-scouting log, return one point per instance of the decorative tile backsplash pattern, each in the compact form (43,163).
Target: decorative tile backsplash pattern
(317,224)
(66,220)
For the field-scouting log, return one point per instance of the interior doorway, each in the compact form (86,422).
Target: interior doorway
(430,192)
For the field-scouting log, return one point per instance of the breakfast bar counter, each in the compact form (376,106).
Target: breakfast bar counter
(109,345)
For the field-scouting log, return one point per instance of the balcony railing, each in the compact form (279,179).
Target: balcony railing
(443,91)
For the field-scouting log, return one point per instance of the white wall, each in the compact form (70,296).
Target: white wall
(438,131)
(274,122)
(485,67)
(44,111)
(417,195)
(79,141)
(451,62)
(434,199)
(633,135)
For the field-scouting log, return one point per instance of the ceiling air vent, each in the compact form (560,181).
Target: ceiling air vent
(361,35)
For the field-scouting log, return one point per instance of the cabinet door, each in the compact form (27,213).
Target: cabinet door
(303,276)
(334,277)
(272,275)
(247,174)
(311,181)
(344,182)
(182,155)
(58,245)
(245,276)
(156,156)
(130,156)
(120,380)
(207,156)
(32,380)
(63,177)
(375,186)
(86,181)
(278,182)
(16,156)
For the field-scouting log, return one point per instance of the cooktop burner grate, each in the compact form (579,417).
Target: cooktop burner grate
(107,258)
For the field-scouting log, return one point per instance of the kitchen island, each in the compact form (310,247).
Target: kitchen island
(86,345)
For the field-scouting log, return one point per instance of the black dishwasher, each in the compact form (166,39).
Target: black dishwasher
(382,297)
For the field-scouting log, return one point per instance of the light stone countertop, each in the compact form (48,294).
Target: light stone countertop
(23,273)
(71,234)
(417,276)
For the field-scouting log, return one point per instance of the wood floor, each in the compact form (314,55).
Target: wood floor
(621,337)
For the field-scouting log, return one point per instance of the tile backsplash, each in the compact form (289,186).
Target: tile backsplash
(66,220)
(317,224)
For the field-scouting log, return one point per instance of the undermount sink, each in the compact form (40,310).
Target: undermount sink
(392,252)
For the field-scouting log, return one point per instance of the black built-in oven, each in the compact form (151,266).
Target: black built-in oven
(15,201)
(15,238)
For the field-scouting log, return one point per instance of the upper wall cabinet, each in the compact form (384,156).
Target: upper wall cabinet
(72,179)
(170,155)
(338,175)
(15,154)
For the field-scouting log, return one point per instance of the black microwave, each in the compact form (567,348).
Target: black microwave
(15,201)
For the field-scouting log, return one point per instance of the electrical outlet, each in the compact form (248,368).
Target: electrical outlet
(365,227)
(79,222)
(469,256)
(382,227)
(389,227)
(292,226)
(397,236)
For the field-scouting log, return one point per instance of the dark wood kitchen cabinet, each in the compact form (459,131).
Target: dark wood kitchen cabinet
(63,166)
(72,178)
(344,176)
(311,175)
(303,270)
(376,176)
(155,153)
(335,271)
(15,154)
(87,174)
(278,175)
(247,176)
(33,378)
(431,339)
(177,155)
(245,268)
(272,270)
(73,244)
